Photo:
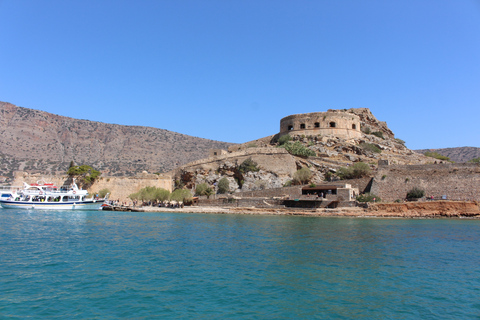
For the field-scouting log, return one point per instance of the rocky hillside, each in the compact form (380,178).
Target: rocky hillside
(37,141)
(460,154)
(277,167)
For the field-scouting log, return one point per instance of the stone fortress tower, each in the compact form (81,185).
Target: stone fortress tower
(339,123)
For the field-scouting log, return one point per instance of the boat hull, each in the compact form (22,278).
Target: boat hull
(78,205)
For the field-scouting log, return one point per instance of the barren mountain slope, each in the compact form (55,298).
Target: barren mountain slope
(459,154)
(38,141)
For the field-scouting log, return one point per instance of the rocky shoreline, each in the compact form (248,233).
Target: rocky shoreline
(431,209)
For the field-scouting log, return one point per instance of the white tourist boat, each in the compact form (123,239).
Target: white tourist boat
(48,196)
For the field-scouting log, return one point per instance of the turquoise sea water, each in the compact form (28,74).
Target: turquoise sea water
(109,265)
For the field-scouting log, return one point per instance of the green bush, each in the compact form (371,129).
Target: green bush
(102,193)
(203,189)
(150,194)
(302,176)
(284,139)
(378,134)
(358,170)
(400,141)
(223,185)
(85,175)
(476,160)
(366,130)
(370,147)
(368,197)
(436,155)
(298,149)
(248,165)
(183,195)
(415,193)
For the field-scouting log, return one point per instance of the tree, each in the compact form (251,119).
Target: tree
(201,189)
(183,195)
(223,185)
(208,192)
(85,175)
(162,194)
(204,189)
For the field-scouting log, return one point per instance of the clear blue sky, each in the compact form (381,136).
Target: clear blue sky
(230,70)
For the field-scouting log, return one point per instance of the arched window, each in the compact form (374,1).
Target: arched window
(332,124)
(290,128)
(317,124)
(302,126)
(354,126)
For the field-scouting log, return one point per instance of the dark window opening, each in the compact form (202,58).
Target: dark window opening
(317,124)
(354,126)
(290,128)
(302,126)
(332,124)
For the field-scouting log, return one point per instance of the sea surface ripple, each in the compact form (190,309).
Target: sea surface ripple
(109,265)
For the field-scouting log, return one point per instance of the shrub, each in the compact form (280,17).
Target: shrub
(284,139)
(201,189)
(436,155)
(248,165)
(415,193)
(298,149)
(358,170)
(223,185)
(302,176)
(368,197)
(400,141)
(150,194)
(366,130)
(102,193)
(476,160)
(370,147)
(378,134)
(288,183)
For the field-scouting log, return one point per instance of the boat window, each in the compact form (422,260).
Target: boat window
(65,198)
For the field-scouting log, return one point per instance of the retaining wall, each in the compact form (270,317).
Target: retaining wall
(452,181)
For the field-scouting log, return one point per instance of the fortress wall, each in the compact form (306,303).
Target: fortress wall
(265,157)
(120,187)
(341,124)
(455,181)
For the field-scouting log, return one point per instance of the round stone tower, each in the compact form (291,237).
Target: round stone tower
(333,122)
